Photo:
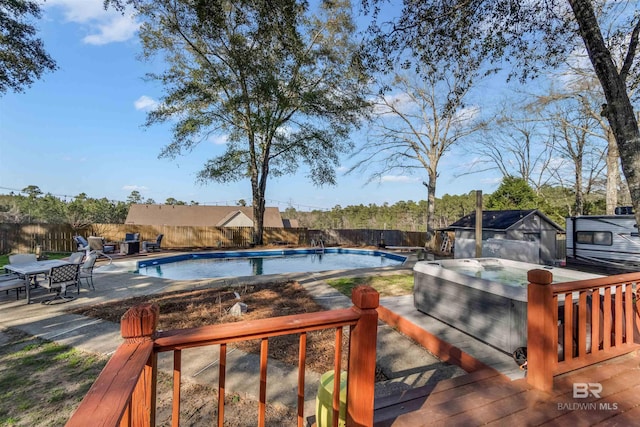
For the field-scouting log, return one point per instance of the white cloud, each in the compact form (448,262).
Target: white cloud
(119,29)
(400,101)
(103,26)
(467,115)
(134,188)
(219,139)
(145,103)
(397,178)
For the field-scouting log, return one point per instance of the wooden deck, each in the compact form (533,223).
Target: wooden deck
(488,397)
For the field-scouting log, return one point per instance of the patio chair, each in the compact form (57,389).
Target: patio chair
(11,282)
(98,245)
(18,259)
(22,258)
(152,246)
(76,257)
(86,270)
(81,243)
(59,279)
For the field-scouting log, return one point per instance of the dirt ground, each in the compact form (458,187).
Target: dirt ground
(209,307)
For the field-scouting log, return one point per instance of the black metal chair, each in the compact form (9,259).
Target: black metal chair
(152,246)
(59,279)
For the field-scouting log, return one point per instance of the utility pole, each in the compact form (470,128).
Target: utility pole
(478,223)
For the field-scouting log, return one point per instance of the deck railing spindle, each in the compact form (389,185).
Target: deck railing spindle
(302,360)
(262,406)
(177,371)
(337,376)
(222,372)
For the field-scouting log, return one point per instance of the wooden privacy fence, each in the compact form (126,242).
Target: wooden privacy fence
(575,324)
(369,237)
(26,238)
(124,394)
(59,237)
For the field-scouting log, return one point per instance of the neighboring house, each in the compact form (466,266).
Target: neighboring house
(521,235)
(196,215)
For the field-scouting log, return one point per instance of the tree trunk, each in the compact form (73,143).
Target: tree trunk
(618,109)
(259,190)
(431,200)
(258,218)
(613,174)
(579,188)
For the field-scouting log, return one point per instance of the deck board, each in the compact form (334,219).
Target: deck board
(606,408)
(496,392)
(627,418)
(482,399)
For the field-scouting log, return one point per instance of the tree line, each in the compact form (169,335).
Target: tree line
(34,206)
(513,193)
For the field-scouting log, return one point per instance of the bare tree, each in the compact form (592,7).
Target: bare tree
(517,145)
(585,88)
(413,129)
(575,142)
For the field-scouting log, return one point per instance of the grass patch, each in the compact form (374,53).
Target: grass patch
(42,382)
(387,286)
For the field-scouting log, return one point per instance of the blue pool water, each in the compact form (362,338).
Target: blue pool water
(255,263)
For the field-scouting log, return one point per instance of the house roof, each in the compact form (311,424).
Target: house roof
(501,220)
(291,223)
(196,215)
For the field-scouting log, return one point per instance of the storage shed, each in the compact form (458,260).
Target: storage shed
(520,235)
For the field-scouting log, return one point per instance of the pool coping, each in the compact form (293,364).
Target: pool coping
(267,253)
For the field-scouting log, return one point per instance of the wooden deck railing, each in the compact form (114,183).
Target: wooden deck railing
(600,323)
(124,392)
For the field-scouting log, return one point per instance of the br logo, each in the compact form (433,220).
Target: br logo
(584,390)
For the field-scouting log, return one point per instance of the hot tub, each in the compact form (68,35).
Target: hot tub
(484,297)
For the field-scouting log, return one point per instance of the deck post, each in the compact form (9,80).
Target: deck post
(362,358)
(542,351)
(139,324)
(636,309)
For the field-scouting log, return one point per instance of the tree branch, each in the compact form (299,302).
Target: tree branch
(633,45)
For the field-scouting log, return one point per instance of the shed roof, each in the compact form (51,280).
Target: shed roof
(196,215)
(501,220)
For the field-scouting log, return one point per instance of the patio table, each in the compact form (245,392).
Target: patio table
(28,270)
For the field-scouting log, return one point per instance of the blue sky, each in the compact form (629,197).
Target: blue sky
(80,129)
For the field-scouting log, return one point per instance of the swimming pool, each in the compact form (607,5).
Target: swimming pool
(257,263)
